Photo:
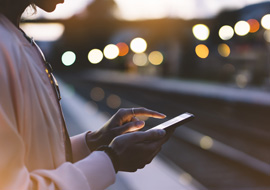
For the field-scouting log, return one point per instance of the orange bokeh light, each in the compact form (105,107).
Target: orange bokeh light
(123,48)
(254,25)
(202,51)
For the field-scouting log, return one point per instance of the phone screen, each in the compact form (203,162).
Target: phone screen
(175,122)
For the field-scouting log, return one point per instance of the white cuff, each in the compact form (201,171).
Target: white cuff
(98,170)
(79,147)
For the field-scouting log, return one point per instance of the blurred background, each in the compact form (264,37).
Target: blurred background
(207,57)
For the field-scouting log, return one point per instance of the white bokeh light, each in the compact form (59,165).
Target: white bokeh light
(111,51)
(68,58)
(242,28)
(95,56)
(201,32)
(138,45)
(226,32)
(266,21)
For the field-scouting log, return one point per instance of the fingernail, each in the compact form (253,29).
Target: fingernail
(161,132)
(163,115)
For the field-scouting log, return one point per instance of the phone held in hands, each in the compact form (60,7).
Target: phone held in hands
(175,122)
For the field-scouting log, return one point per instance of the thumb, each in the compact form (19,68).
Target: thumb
(153,135)
(131,127)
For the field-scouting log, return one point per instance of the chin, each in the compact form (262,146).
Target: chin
(49,8)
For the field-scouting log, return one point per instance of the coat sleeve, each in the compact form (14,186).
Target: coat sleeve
(94,171)
(79,147)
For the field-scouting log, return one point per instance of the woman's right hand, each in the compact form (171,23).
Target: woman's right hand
(124,121)
(135,150)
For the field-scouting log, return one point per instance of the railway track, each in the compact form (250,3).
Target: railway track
(227,146)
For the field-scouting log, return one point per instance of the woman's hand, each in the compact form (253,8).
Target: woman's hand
(124,121)
(135,150)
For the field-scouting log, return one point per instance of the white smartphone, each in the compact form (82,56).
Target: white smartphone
(175,122)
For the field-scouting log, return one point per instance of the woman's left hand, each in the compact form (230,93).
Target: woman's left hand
(124,121)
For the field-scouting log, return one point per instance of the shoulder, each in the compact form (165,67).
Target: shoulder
(8,43)
(10,48)
(11,37)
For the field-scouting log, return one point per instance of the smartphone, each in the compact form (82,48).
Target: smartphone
(175,122)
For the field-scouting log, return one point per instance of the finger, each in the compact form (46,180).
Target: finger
(134,119)
(130,127)
(152,135)
(147,112)
(126,115)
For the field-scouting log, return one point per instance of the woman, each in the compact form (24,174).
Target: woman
(36,151)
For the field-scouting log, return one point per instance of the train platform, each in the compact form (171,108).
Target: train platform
(224,92)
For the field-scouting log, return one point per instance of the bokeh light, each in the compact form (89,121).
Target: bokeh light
(241,80)
(140,59)
(266,22)
(123,48)
(226,32)
(206,142)
(201,32)
(254,25)
(242,28)
(43,31)
(224,50)
(111,51)
(68,58)
(185,178)
(266,35)
(202,51)
(95,56)
(155,57)
(97,94)
(138,45)
(113,101)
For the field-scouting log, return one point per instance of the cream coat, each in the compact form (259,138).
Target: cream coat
(32,146)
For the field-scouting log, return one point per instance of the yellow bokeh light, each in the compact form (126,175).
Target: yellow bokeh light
(140,59)
(266,22)
(224,50)
(155,57)
(242,28)
(111,51)
(206,142)
(226,32)
(113,101)
(95,56)
(201,32)
(68,58)
(97,94)
(202,51)
(138,45)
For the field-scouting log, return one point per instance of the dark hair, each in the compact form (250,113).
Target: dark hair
(33,6)
(4,4)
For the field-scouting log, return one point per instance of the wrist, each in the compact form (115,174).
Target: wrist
(92,140)
(112,155)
